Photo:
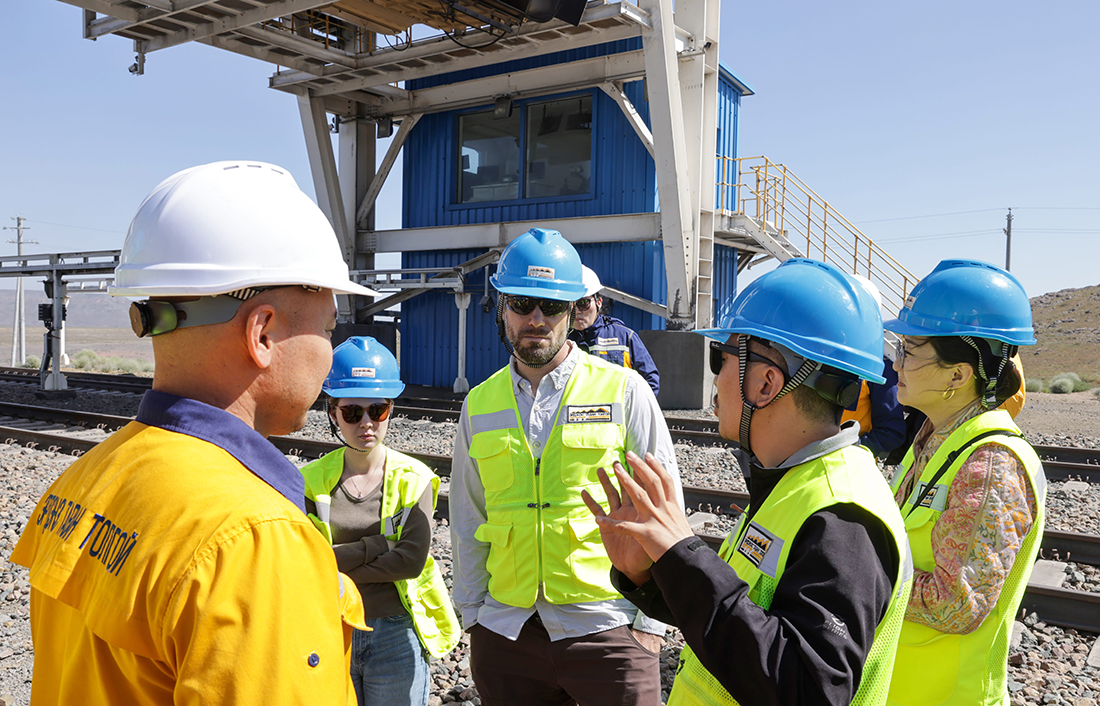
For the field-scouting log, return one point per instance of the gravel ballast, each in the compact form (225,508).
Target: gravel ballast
(1047,666)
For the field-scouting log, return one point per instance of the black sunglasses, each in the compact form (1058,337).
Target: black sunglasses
(525,305)
(353,413)
(717,349)
(583,304)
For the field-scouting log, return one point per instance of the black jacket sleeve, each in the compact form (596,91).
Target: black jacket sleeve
(810,646)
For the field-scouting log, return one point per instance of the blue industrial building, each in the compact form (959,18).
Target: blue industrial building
(566,155)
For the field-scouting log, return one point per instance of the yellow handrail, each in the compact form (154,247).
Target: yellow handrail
(778,200)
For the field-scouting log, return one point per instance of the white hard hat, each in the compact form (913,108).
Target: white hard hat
(225,227)
(591,281)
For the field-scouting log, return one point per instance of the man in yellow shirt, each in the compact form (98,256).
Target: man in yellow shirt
(174,563)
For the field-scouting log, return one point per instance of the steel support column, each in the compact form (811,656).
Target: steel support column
(462,301)
(356,147)
(698,74)
(670,154)
(326,183)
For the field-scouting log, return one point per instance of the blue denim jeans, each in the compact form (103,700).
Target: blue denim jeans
(389,666)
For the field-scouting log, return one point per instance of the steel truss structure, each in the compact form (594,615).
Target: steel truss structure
(326,55)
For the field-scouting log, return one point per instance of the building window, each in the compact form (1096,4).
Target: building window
(550,157)
(490,157)
(559,148)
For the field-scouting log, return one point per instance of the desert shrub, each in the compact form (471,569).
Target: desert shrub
(1079,385)
(33,361)
(1033,385)
(85,360)
(1061,386)
(1096,392)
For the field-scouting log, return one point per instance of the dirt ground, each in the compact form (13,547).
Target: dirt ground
(1075,414)
(106,342)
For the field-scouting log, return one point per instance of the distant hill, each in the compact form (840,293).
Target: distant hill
(1067,328)
(85,310)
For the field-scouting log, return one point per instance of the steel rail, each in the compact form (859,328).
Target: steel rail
(1079,610)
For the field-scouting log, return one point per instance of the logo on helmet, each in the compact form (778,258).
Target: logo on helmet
(543,272)
(362,372)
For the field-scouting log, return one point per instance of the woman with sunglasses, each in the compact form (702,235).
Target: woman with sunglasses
(971,489)
(375,506)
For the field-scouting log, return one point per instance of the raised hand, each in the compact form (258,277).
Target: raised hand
(655,519)
(625,553)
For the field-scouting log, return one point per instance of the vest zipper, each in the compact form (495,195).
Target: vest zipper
(538,517)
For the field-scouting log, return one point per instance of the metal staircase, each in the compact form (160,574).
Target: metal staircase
(765,202)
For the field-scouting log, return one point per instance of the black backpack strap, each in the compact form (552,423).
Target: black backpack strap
(951,459)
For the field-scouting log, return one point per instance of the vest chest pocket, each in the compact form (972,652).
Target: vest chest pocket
(587,447)
(491,451)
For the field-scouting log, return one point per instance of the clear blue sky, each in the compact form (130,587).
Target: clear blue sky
(889,111)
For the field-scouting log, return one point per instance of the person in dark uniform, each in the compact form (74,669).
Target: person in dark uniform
(608,337)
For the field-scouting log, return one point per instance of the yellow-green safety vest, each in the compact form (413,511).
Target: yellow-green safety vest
(934,667)
(758,552)
(538,528)
(425,597)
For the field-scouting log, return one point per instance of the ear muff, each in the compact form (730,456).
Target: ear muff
(839,389)
(152,317)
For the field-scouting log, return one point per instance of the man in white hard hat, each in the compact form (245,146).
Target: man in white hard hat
(608,337)
(174,562)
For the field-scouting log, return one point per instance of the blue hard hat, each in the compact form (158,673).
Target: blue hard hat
(967,298)
(363,367)
(817,311)
(540,263)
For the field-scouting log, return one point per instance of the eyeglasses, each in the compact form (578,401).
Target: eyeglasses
(902,353)
(583,304)
(717,349)
(525,305)
(353,413)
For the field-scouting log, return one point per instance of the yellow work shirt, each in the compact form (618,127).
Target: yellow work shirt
(166,569)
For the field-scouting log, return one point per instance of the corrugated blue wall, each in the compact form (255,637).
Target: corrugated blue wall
(429,322)
(623,174)
(729,107)
(724,283)
(624,181)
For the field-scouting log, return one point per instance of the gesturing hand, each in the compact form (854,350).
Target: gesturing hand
(646,517)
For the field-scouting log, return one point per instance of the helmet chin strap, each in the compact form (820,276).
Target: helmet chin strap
(747,408)
(340,437)
(986,355)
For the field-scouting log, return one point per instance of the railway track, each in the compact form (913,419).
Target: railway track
(73,432)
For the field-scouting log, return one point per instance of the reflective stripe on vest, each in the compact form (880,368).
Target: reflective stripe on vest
(971,668)
(537,526)
(425,597)
(759,553)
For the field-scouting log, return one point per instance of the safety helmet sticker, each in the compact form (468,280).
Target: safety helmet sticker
(362,372)
(543,272)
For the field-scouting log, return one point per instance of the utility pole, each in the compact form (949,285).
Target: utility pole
(19,326)
(1008,242)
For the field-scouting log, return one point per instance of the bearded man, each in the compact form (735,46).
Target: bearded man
(531,576)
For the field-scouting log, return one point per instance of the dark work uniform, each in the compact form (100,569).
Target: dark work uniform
(841,563)
(610,339)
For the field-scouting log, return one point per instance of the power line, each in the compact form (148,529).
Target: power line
(64,225)
(931,215)
(985,210)
(940,236)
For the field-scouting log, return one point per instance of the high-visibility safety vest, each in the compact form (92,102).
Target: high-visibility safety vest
(425,597)
(934,667)
(538,527)
(758,552)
